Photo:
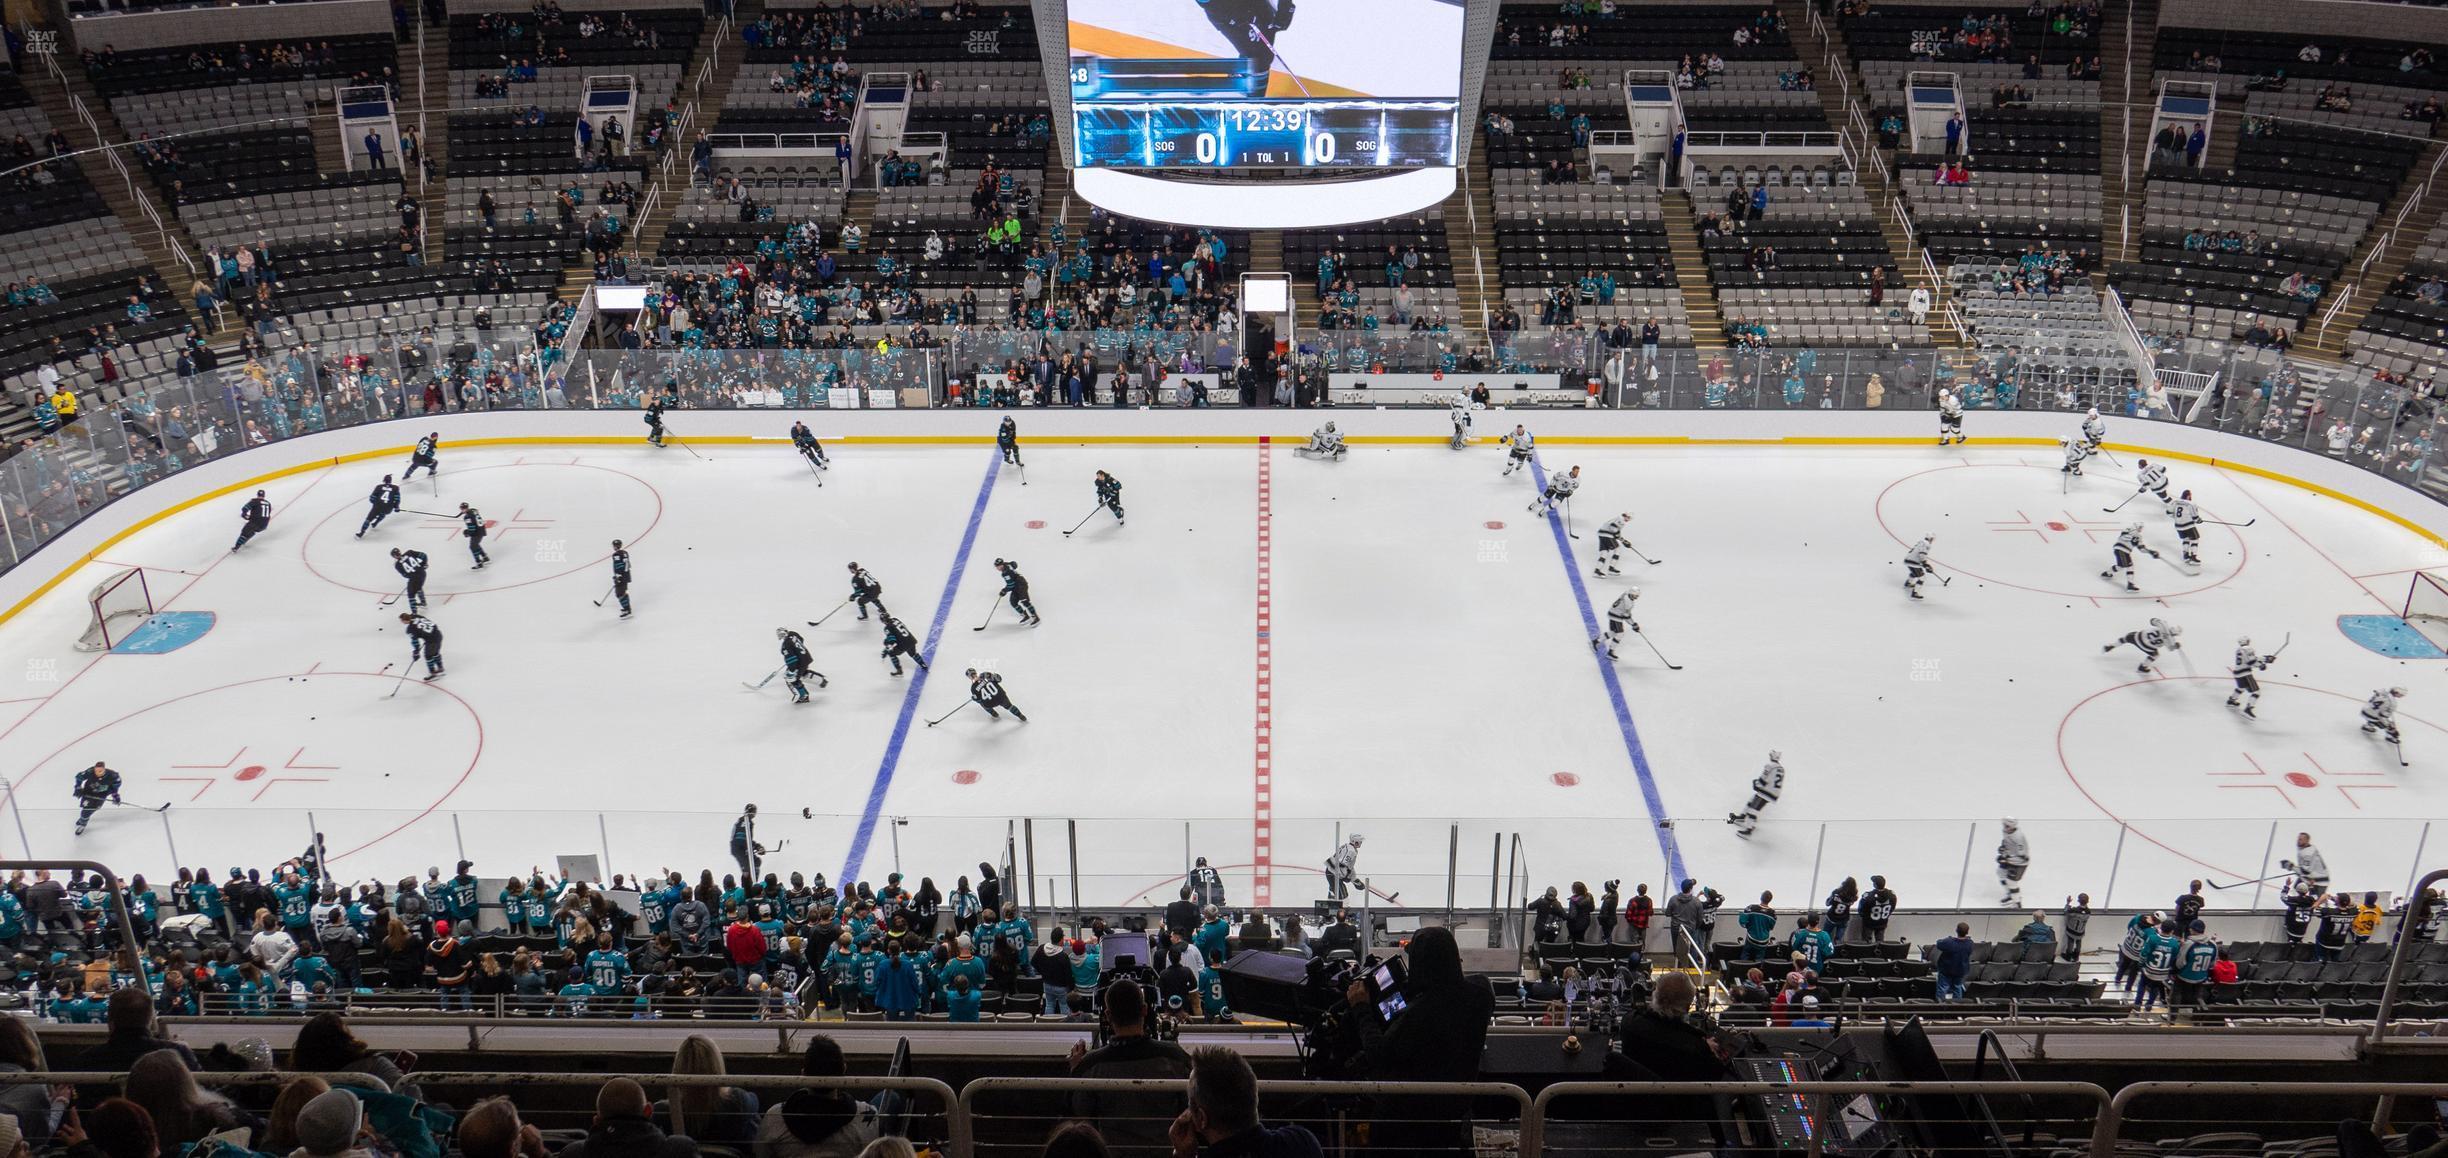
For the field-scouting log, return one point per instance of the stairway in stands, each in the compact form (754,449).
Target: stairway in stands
(1691,271)
(2121,205)
(1470,233)
(431,93)
(1815,52)
(129,204)
(2388,252)
(725,54)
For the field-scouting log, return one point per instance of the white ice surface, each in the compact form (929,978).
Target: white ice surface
(1429,672)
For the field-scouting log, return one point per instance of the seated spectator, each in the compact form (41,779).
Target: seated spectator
(132,1035)
(329,1126)
(1222,1118)
(623,1128)
(492,1129)
(181,1112)
(118,1128)
(713,1115)
(1132,1122)
(31,1105)
(817,1123)
(325,1045)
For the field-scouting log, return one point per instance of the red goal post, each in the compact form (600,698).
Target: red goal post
(116,606)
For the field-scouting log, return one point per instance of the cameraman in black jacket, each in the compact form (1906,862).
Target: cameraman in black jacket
(1436,1038)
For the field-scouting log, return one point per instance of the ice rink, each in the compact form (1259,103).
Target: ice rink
(1272,651)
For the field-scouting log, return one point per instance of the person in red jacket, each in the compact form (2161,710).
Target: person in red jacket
(744,942)
(1637,912)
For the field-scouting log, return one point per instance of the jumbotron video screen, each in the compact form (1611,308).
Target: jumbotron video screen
(1218,84)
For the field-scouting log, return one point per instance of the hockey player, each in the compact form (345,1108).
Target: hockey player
(381,504)
(424,642)
(797,664)
(2094,429)
(2188,519)
(1007,440)
(2246,670)
(1251,26)
(620,576)
(2380,714)
(865,591)
(2121,555)
(2150,641)
(654,423)
(1619,621)
(2076,450)
(2013,857)
(411,567)
(1917,566)
(1611,545)
(1765,788)
(1109,495)
(986,690)
(94,786)
(472,525)
(258,514)
(1016,589)
(1559,488)
(424,456)
(1950,418)
(1461,417)
(2150,479)
(1325,441)
(2311,869)
(744,845)
(900,641)
(804,441)
(1342,869)
(1524,448)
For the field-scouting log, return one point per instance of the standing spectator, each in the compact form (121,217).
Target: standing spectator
(2189,905)
(1610,907)
(1954,133)
(1637,914)
(1952,959)
(2075,920)
(1578,910)
(1758,921)
(2195,958)
(2337,915)
(1439,1038)
(1879,904)
(2159,945)
(374,149)
(2194,145)
(2367,918)
(1182,915)
(1840,905)
(1222,1118)
(447,960)
(1053,967)
(1134,1123)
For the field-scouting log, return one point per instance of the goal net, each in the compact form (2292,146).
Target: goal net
(117,606)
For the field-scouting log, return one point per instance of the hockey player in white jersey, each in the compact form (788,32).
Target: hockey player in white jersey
(1950,418)
(2150,478)
(2246,669)
(2188,517)
(2013,858)
(2094,429)
(2380,715)
(2076,450)
(1917,566)
(1325,442)
(1524,447)
(1559,488)
(2121,555)
(2150,641)
(1461,416)
(1765,788)
(1619,621)
(1611,545)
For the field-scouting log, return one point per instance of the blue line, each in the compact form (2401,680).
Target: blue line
(1667,846)
(918,682)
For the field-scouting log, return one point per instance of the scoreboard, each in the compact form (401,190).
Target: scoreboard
(1257,134)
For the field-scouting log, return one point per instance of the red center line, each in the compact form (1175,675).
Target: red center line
(1262,816)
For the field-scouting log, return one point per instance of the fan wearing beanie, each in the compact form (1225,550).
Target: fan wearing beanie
(328,1126)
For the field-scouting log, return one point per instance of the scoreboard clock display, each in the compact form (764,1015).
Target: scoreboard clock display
(1264,134)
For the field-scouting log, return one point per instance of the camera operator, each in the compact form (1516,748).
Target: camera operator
(1437,1037)
(1663,1041)
(1134,1123)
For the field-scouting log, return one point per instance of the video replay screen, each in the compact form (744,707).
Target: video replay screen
(1224,84)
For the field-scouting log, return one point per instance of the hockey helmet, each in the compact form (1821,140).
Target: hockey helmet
(1776,755)
(750,810)
(2008,822)
(1356,838)
(2174,630)
(781,633)
(2187,496)
(2397,693)
(2243,641)
(616,544)
(1634,592)
(2065,442)
(1330,428)
(2091,413)
(2135,526)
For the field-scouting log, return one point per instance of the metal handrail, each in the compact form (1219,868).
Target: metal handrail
(204,1078)
(118,892)
(2122,1103)
(1520,1098)
(2103,1128)
(2416,905)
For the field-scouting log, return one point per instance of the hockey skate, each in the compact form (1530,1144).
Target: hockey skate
(625,613)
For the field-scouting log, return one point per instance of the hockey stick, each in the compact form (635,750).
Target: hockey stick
(948,715)
(2282,646)
(2121,506)
(991,608)
(1023,473)
(607,594)
(2397,741)
(1627,544)
(2256,881)
(146,807)
(693,450)
(428,514)
(821,622)
(388,600)
(403,678)
(1260,33)
(811,465)
(760,684)
(1653,650)
(2103,453)
(1084,521)
(2223,523)
(1568,527)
